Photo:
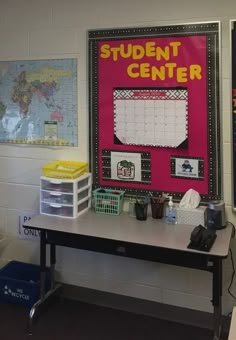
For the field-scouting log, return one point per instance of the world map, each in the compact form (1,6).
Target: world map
(38,102)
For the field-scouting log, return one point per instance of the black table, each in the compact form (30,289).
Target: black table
(151,240)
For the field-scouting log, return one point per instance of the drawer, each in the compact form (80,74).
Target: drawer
(84,206)
(83,194)
(56,209)
(84,181)
(56,197)
(57,185)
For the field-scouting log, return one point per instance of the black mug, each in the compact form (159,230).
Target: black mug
(141,211)
(157,208)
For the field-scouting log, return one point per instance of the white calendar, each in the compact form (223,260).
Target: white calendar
(151,116)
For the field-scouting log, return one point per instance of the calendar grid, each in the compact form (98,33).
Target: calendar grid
(153,117)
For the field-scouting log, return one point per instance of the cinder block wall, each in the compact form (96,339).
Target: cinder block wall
(32,29)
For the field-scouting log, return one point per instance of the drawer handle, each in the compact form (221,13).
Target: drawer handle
(54,193)
(55,205)
(54,181)
(121,249)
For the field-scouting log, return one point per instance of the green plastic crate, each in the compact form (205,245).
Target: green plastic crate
(108,201)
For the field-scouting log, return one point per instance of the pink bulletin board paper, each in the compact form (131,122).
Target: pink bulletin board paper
(155,58)
(113,73)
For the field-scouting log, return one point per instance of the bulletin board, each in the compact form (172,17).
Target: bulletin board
(154,109)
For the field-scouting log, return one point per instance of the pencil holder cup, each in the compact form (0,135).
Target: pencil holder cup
(132,209)
(141,211)
(157,208)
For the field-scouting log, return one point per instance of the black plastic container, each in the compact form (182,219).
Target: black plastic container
(141,211)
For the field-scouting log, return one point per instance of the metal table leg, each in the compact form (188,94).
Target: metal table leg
(52,265)
(45,297)
(216,298)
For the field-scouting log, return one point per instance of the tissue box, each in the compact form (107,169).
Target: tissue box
(191,216)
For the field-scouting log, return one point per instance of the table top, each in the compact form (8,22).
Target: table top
(152,232)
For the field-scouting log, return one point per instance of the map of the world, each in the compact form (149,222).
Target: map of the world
(38,102)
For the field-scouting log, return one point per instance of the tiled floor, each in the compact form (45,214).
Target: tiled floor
(71,320)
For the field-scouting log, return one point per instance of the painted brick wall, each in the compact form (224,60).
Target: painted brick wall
(32,29)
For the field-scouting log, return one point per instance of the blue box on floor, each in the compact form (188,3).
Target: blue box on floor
(20,283)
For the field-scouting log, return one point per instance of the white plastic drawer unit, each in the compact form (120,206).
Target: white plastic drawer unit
(65,198)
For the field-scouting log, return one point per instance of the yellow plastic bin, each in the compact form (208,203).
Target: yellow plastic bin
(65,169)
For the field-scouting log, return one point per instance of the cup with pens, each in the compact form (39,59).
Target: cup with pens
(157,206)
(141,208)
